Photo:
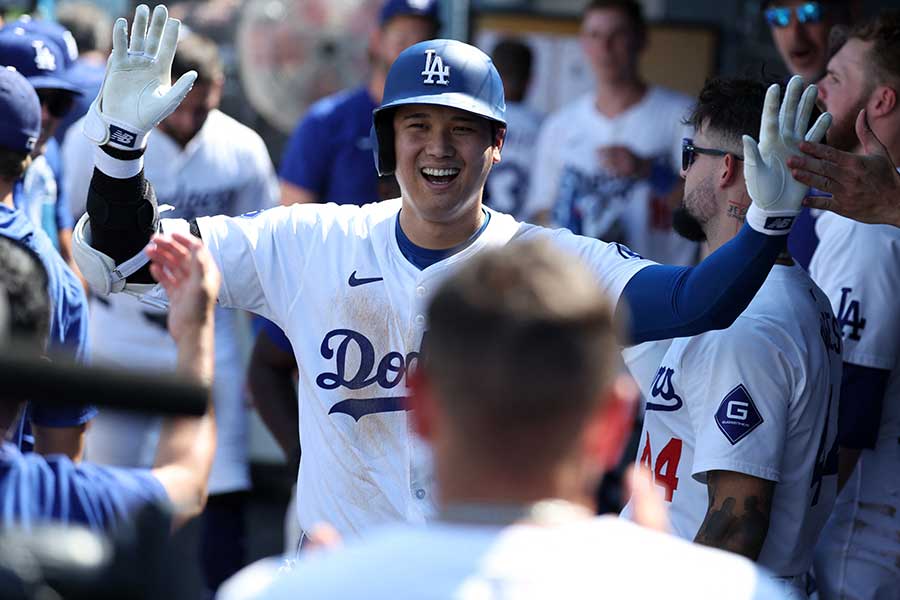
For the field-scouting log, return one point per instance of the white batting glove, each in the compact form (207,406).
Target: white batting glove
(777,196)
(137,93)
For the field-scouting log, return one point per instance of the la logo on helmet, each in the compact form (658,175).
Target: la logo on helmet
(43,57)
(434,67)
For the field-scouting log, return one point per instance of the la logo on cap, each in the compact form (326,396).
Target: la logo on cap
(43,57)
(434,67)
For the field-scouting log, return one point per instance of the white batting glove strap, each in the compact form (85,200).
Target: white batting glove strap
(771,222)
(105,130)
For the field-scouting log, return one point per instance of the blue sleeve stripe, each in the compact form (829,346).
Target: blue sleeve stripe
(666,302)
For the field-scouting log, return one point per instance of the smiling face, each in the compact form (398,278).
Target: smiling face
(443,157)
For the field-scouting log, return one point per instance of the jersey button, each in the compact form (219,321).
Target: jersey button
(420,320)
(420,291)
(420,494)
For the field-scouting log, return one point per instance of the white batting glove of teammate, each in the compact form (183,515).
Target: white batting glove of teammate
(777,196)
(137,93)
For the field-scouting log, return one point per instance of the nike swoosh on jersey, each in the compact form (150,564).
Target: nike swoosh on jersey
(354,281)
(360,407)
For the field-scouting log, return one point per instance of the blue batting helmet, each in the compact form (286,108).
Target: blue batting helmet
(440,72)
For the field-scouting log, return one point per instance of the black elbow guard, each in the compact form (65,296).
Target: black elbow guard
(124,215)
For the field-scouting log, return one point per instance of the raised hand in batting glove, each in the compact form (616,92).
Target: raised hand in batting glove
(137,92)
(777,196)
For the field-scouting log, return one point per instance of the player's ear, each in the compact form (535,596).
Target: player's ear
(499,138)
(882,101)
(610,425)
(731,171)
(420,403)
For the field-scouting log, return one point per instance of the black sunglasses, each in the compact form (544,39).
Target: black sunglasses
(689,153)
(58,102)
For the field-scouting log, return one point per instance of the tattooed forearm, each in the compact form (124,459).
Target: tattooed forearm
(742,530)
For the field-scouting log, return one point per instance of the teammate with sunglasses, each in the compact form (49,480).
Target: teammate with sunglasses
(740,424)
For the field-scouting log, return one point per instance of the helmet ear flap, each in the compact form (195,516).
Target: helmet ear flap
(382,136)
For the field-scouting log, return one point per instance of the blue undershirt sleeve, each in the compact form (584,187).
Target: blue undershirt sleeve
(862,398)
(666,302)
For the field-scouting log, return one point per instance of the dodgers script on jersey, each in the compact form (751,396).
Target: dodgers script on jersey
(334,279)
(759,398)
(857,267)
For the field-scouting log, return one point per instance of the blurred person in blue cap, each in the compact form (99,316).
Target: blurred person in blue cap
(53,32)
(39,194)
(329,156)
(56,430)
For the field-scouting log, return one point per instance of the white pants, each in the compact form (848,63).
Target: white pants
(858,555)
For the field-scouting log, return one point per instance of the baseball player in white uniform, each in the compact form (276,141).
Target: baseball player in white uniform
(514,520)
(857,267)
(349,284)
(740,426)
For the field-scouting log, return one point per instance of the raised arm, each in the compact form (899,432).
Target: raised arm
(136,95)
(187,445)
(667,302)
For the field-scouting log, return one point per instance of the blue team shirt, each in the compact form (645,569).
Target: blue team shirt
(330,151)
(273,332)
(69,319)
(36,489)
(58,215)
(63,213)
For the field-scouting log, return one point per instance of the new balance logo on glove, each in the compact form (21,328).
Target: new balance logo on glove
(779,223)
(122,137)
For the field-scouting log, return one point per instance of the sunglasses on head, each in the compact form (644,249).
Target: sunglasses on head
(689,153)
(58,102)
(780,16)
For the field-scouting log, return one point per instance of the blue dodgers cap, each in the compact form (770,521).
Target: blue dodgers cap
(40,61)
(52,32)
(414,8)
(20,112)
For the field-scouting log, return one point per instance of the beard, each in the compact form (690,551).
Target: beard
(842,133)
(696,210)
(686,225)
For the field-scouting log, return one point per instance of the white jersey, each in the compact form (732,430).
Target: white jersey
(759,398)
(507,186)
(569,180)
(858,267)
(335,281)
(224,169)
(602,557)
